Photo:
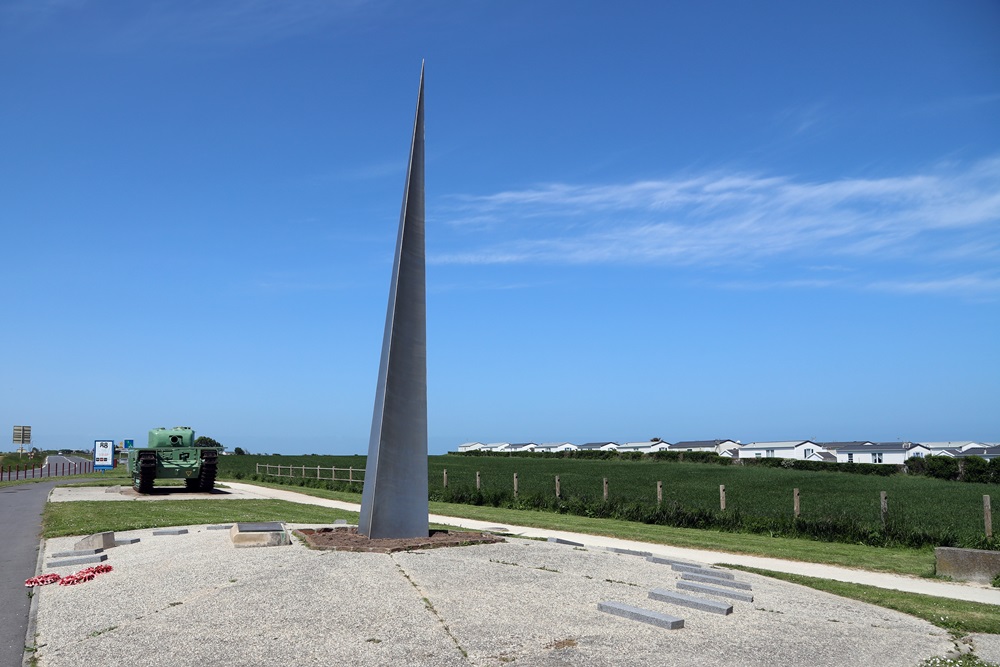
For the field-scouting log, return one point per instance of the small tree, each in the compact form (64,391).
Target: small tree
(239,451)
(205,441)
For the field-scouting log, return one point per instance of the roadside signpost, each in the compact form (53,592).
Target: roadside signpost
(104,455)
(22,437)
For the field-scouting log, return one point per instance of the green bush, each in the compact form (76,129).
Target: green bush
(942,467)
(975,469)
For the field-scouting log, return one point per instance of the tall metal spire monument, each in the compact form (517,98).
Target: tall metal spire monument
(394,501)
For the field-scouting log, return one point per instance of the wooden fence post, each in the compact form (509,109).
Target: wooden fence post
(350,475)
(884,502)
(987,517)
(795,502)
(477,480)
(557,486)
(515,485)
(722,497)
(445,481)
(317,472)
(659,493)
(605,489)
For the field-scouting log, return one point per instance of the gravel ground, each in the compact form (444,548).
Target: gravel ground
(194,599)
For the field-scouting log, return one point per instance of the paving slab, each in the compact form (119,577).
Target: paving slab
(124,542)
(690,601)
(170,531)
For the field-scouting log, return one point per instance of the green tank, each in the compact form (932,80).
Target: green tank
(172,454)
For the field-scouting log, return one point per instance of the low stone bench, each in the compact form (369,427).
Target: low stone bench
(710,590)
(705,572)
(83,560)
(967,564)
(642,615)
(690,601)
(715,581)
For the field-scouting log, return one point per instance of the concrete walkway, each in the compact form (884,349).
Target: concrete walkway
(959,591)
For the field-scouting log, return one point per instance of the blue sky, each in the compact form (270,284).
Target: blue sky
(757,221)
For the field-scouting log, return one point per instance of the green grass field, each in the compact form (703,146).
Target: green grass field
(929,511)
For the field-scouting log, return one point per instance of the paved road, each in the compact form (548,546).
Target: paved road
(21,508)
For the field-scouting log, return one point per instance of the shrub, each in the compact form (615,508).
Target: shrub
(942,467)
(975,469)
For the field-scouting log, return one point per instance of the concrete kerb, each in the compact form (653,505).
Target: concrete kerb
(29,635)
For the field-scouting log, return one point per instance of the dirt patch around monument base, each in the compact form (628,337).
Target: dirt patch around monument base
(348,539)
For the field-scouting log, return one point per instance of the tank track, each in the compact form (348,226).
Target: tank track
(143,482)
(209,465)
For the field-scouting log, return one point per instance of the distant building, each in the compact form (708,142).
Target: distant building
(894,453)
(598,446)
(554,447)
(783,449)
(717,446)
(469,447)
(642,446)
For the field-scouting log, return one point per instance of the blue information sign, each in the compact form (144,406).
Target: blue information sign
(104,454)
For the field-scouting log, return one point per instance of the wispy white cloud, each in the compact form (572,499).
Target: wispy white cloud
(725,218)
(984,285)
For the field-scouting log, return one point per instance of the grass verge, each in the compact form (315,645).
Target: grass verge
(89,516)
(957,616)
(916,562)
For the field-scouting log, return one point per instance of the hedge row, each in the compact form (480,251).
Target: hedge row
(966,469)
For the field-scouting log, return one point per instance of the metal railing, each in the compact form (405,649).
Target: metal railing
(352,476)
(16,472)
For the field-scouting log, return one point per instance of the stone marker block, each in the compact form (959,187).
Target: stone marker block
(225,526)
(559,540)
(96,541)
(701,604)
(340,522)
(709,590)
(704,571)
(716,581)
(257,537)
(76,552)
(83,560)
(125,541)
(670,561)
(628,552)
(641,615)
(967,564)
(171,531)
(260,527)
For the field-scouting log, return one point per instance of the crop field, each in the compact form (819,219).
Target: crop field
(839,507)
